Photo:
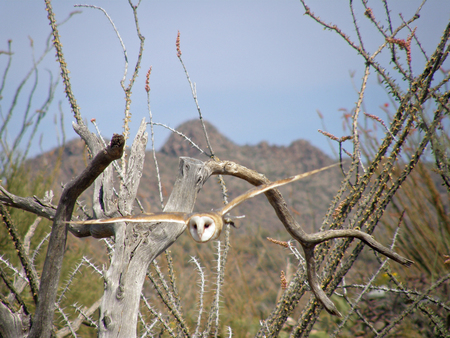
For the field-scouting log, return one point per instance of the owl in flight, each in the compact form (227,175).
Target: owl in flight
(203,226)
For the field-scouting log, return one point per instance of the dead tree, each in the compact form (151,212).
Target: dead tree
(137,245)
(356,210)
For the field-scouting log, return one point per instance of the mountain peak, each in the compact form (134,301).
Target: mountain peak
(176,145)
(310,197)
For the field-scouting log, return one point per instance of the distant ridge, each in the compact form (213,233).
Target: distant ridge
(177,146)
(309,199)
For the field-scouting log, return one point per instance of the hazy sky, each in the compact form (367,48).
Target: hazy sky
(262,68)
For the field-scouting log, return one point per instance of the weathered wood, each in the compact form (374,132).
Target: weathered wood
(136,246)
(104,204)
(43,320)
(30,204)
(130,184)
(13,324)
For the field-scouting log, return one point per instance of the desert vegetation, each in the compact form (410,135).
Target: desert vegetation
(376,260)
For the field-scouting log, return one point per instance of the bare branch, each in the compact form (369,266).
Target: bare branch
(413,306)
(24,258)
(30,204)
(42,324)
(75,324)
(62,63)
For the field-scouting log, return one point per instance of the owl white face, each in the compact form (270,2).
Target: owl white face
(203,228)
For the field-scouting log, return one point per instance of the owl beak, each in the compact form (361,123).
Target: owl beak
(200,227)
(200,230)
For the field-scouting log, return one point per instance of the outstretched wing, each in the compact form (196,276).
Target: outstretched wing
(175,217)
(263,188)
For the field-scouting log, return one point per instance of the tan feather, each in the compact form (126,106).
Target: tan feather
(263,188)
(175,217)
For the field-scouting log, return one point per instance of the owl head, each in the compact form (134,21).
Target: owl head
(205,227)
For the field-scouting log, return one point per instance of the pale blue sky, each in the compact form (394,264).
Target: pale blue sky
(262,68)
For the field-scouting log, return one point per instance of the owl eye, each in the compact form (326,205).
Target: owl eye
(207,225)
(195,225)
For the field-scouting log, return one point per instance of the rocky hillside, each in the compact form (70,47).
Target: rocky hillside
(308,199)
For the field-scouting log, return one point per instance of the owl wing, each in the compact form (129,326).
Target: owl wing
(175,217)
(263,188)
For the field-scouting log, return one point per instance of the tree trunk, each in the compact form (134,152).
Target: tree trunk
(136,245)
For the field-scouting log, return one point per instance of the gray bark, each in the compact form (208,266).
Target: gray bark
(136,246)
(12,324)
(43,319)
(30,204)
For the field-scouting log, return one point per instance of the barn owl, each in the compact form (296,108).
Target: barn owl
(203,226)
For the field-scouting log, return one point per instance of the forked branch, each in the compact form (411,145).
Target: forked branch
(307,241)
(42,323)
